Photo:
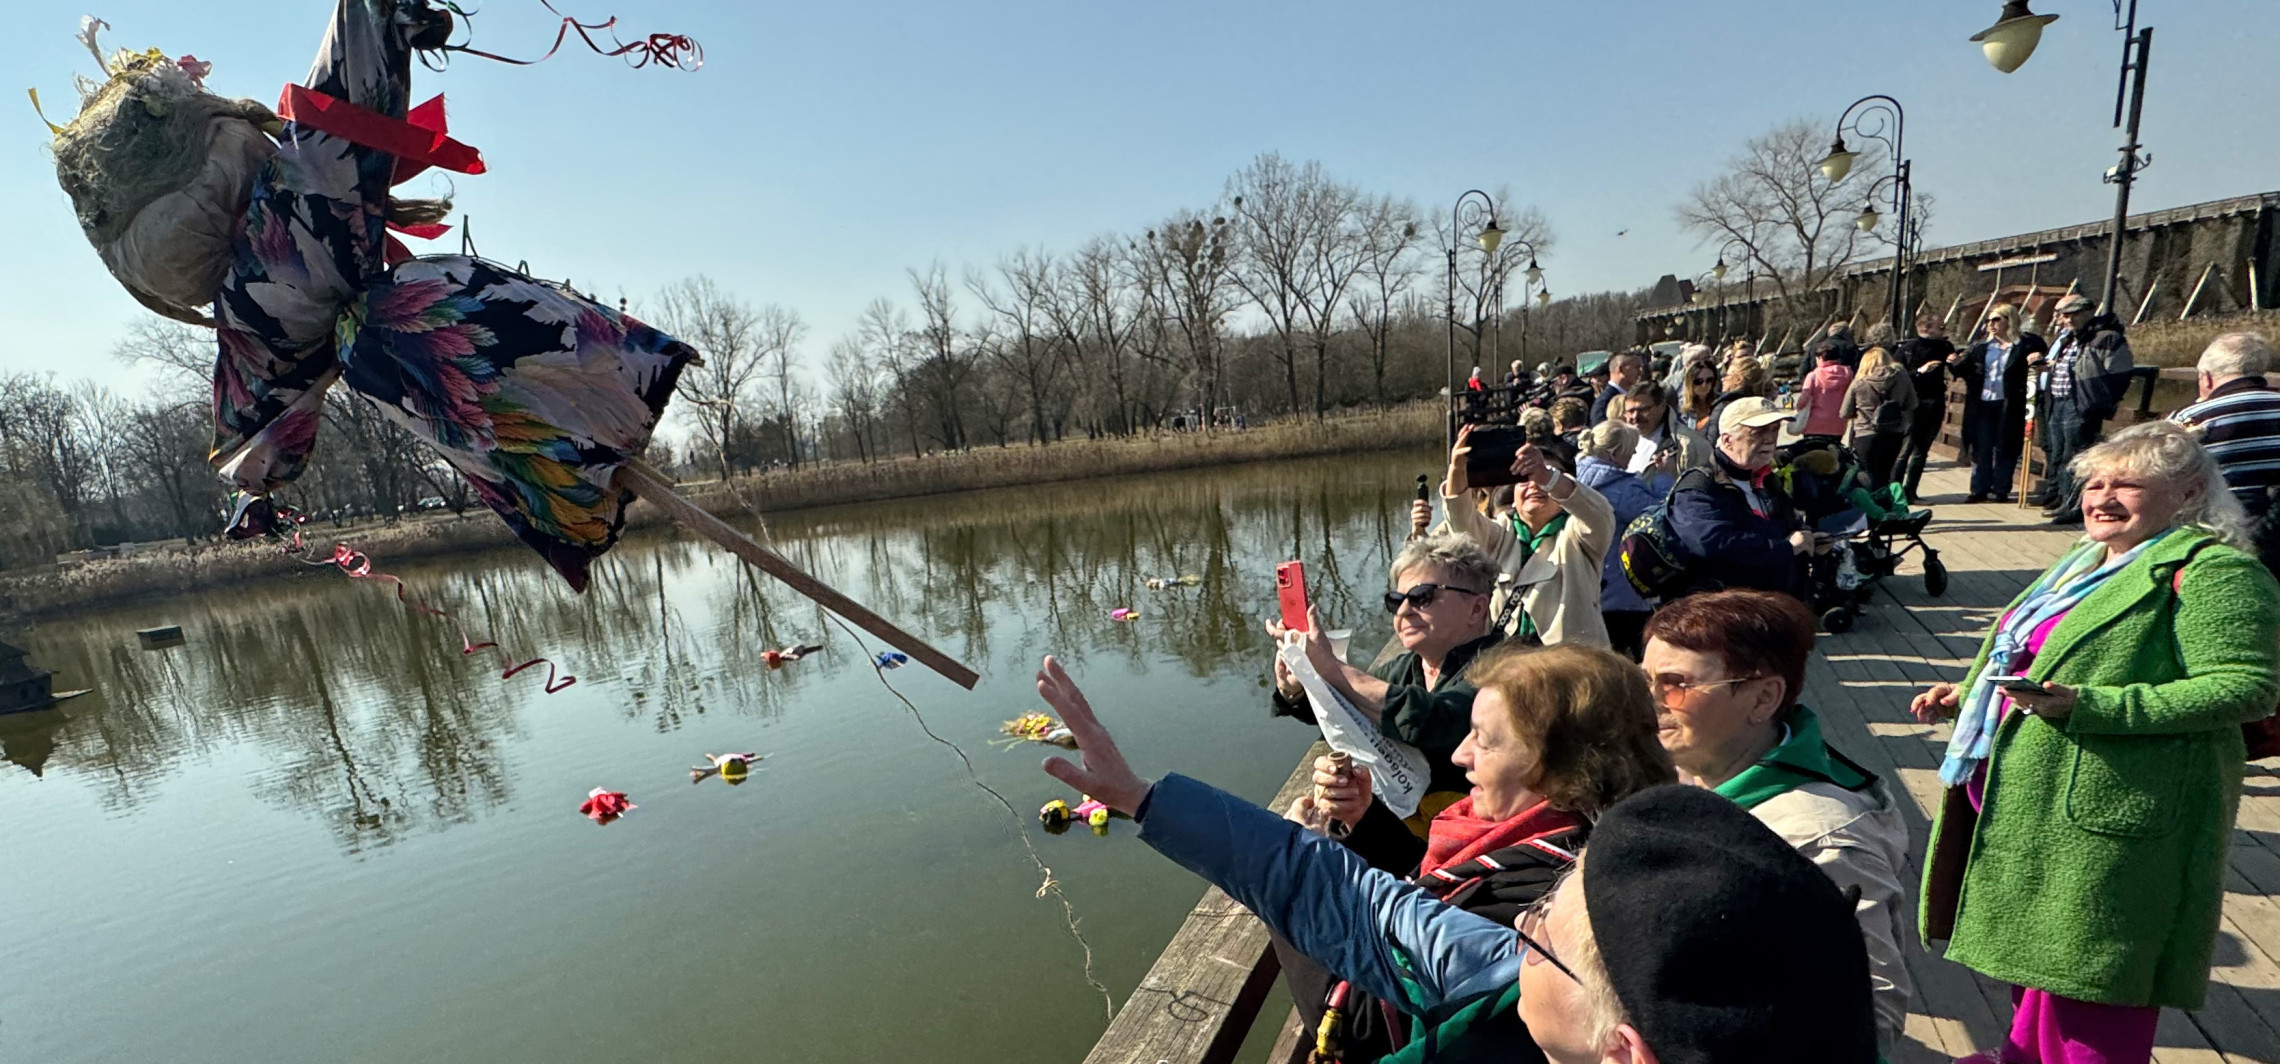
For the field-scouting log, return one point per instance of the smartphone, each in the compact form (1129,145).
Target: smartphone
(1290,592)
(1424,488)
(2016,684)
(1489,464)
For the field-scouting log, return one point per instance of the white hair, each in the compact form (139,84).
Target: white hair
(2171,454)
(1611,441)
(1579,950)
(2237,354)
(1458,557)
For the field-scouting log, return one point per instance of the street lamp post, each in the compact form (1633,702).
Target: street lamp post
(1477,207)
(1879,118)
(1749,280)
(2012,39)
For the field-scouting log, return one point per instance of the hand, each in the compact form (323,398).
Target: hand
(1823,542)
(1528,464)
(1306,814)
(1930,366)
(1318,648)
(1454,483)
(1343,798)
(1800,541)
(2054,702)
(1420,518)
(1101,771)
(1286,683)
(1935,705)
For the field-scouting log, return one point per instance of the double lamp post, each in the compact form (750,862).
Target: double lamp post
(1475,211)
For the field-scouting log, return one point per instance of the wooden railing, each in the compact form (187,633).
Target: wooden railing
(1199,1000)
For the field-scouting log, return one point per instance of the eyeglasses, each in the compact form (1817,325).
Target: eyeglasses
(1420,596)
(1530,928)
(1672,691)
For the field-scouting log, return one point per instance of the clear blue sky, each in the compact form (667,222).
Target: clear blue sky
(825,147)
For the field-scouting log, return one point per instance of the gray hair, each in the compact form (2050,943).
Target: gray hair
(2237,354)
(1611,441)
(2171,454)
(1879,334)
(1459,559)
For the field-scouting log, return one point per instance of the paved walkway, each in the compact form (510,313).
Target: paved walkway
(1904,642)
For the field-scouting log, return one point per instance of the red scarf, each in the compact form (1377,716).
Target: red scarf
(1457,836)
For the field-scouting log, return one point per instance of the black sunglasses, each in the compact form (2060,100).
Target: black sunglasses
(1420,596)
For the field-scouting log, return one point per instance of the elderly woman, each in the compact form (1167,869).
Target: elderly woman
(1439,602)
(1553,546)
(2095,765)
(1607,453)
(1726,668)
(1558,736)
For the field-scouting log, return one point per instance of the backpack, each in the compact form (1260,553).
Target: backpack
(1654,560)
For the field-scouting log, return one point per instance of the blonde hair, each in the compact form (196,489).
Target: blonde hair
(1570,412)
(1877,358)
(1749,376)
(2171,454)
(1611,441)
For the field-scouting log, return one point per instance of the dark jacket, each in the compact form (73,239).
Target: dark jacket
(1971,369)
(1433,719)
(1729,545)
(1499,887)
(1931,384)
(2102,366)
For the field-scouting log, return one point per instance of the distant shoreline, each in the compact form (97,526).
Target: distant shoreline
(55,591)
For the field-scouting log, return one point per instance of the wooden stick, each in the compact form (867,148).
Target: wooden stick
(651,486)
(2147,304)
(2196,296)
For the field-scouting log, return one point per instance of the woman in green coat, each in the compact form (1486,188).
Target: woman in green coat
(2097,756)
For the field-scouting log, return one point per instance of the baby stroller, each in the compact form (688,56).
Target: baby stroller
(1873,529)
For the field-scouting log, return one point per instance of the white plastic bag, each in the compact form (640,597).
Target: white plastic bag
(1398,771)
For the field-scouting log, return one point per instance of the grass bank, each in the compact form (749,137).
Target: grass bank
(176,569)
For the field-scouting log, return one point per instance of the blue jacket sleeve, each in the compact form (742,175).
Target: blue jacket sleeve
(1327,901)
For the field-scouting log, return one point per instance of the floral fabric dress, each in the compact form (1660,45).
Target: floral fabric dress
(532,391)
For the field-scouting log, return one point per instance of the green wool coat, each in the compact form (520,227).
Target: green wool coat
(2096,867)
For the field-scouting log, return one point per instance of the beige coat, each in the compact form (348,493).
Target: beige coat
(1693,448)
(1560,585)
(1858,839)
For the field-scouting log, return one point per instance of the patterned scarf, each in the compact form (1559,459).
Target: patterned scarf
(2060,588)
(1458,836)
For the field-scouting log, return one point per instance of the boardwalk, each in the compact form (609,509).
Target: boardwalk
(1861,688)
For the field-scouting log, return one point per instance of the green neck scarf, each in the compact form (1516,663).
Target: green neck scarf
(1480,1030)
(1802,758)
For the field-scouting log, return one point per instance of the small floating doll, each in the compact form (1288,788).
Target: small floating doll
(1124,613)
(1056,816)
(731,768)
(777,659)
(891,659)
(603,805)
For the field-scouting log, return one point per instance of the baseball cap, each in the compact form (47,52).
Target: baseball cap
(1751,412)
(2075,302)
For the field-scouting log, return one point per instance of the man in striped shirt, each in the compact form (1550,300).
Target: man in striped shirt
(2239,417)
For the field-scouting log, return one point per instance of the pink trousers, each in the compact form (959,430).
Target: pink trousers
(2049,1029)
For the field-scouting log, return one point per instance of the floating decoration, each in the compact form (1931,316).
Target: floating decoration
(1056,816)
(777,658)
(731,768)
(1164,583)
(1038,728)
(891,659)
(603,805)
(1124,613)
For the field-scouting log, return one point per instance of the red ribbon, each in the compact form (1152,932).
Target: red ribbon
(358,565)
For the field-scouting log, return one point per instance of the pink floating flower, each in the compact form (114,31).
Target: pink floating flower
(604,805)
(1124,613)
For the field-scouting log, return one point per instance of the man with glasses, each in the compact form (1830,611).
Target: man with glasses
(1726,669)
(1734,524)
(1440,606)
(1688,932)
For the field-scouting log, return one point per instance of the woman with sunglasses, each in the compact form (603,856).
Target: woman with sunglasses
(1558,735)
(1726,669)
(1553,545)
(1439,604)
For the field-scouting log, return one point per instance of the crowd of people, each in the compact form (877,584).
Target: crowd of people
(1637,841)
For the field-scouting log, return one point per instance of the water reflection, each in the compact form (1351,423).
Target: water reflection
(366,716)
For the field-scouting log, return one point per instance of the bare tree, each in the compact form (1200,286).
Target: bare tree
(855,393)
(1798,228)
(1480,279)
(890,348)
(780,331)
(1188,266)
(1303,241)
(727,331)
(1027,345)
(1388,268)
(184,354)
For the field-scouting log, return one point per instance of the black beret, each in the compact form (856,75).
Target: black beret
(1724,944)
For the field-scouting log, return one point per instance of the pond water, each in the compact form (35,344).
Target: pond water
(318,832)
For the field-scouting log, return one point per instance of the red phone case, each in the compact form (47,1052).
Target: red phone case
(1290,591)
